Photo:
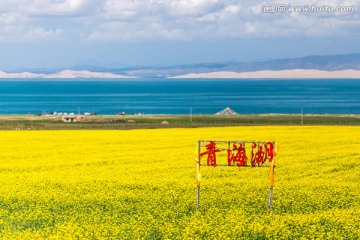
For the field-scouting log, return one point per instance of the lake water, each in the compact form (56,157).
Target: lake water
(160,96)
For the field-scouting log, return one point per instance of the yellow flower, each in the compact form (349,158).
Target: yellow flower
(140,184)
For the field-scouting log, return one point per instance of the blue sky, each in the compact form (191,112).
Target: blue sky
(42,34)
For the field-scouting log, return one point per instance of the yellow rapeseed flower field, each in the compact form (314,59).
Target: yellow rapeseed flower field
(140,184)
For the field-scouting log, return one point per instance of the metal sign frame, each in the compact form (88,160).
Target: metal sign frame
(259,145)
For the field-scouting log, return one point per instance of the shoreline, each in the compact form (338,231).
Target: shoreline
(278,74)
(154,121)
(298,73)
(181,78)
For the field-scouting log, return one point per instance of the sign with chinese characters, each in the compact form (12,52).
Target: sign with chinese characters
(236,153)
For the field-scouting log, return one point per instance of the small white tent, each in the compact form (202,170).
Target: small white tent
(226,111)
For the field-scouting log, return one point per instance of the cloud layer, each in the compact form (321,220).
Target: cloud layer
(184,20)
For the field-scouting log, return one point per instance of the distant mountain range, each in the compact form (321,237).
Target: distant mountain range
(320,64)
(324,63)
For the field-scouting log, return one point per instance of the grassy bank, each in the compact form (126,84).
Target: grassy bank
(32,122)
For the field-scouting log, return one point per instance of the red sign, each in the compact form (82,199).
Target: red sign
(238,157)
(211,152)
(260,153)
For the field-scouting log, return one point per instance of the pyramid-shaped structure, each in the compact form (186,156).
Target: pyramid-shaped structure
(226,111)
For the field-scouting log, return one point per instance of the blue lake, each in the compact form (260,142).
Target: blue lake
(161,96)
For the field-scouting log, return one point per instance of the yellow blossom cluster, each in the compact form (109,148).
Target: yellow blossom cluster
(140,184)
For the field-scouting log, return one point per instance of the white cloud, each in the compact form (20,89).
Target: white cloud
(233,9)
(194,7)
(42,20)
(123,9)
(117,30)
(48,7)
(65,7)
(40,33)
(300,24)
(17,27)
(13,18)
(114,20)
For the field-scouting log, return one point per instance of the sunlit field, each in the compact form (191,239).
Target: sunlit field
(140,184)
